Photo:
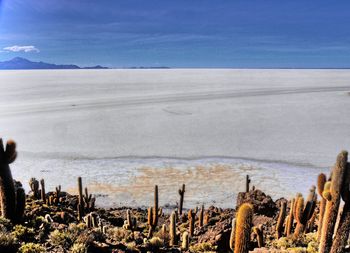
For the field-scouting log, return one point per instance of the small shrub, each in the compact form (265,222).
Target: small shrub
(78,248)
(61,239)
(23,233)
(31,248)
(8,243)
(202,247)
(156,242)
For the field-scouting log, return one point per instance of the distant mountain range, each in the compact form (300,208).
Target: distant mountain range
(22,63)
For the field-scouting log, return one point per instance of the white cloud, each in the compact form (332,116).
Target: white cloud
(25,49)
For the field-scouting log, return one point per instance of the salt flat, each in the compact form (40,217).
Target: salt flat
(125,130)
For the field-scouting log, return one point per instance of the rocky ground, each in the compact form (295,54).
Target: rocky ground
(56,228)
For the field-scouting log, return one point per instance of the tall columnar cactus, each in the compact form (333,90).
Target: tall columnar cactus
(181,193)
(42,191)
(333,201)
(153,214)
(201,216)
(321,181)
(304,213)
(247,182)
(34,186)
(80,206)
(280,221)
(185,241)
(243,228)
(192,219)
(258,231)
(12,197)
(129,221)
(290,219)
(342,234)
(173,236)
(233,234)
(20,201)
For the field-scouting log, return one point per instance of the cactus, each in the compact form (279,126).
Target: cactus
(80,206)
(181,193)
(129,222)
(12,194)
(232,235)
(185,241)
(290,219)
(321,181)
(247,182)
(34,186)
(281,218)
(258,231)
(192,219)
(333,200)
(20,201)
(57,194)
(42,191)
(342,234)
(153,214)
(243,228)
(201,216)
(173,236)
(304,213)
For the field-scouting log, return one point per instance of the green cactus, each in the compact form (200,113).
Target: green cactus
(42,191)
(333,201)
(243,228)
(342,234)
(280,221)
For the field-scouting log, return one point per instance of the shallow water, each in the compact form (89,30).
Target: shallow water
(125,130)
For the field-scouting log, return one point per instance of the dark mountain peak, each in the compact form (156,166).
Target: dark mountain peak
(19,59)
(23,63)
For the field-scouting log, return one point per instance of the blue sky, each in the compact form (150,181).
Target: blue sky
(178,33)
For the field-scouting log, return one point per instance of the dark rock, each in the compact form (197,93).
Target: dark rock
(262,203)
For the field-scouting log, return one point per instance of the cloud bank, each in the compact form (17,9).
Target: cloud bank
(25,49)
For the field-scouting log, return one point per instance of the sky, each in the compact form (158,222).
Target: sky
(178,33)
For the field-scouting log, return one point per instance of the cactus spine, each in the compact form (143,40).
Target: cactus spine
(232,235)
(243,228)
(281,218)
(321,181)
(181,193)
(173,236)
(342,235)
(333,201)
